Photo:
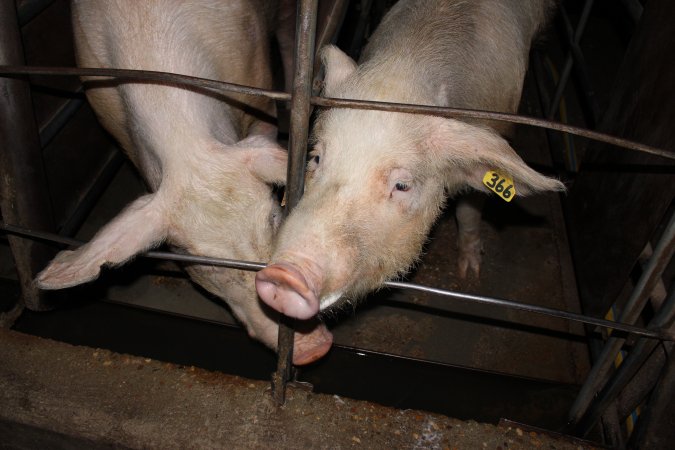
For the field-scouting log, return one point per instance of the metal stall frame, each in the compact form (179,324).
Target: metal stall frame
(301,102)
(22,165)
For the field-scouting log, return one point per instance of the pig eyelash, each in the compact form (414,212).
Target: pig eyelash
(402,186)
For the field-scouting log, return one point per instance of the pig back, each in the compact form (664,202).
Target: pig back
(217,39)
(457,53)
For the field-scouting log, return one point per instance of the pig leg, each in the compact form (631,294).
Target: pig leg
(468,214)
(139,227)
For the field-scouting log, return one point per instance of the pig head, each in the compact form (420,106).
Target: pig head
(377,180)
(210,161)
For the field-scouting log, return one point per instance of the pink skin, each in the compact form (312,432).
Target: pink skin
(171,134)
(283,287)
(311,346)
(376,180)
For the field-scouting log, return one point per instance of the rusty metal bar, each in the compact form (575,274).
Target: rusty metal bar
(217,87)
(489,115)
(480,299)
(297,156)
(602,368)
(24,197)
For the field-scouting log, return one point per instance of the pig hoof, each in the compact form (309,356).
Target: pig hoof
(313,346)
(468,264)
(67,270)
(470,251)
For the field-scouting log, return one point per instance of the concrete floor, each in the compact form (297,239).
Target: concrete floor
(54,395)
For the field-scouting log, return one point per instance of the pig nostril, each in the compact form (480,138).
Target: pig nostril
(284,288)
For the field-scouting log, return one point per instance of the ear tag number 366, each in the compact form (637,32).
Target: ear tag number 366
(500,184)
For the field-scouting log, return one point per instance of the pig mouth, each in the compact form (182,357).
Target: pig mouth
(285,288)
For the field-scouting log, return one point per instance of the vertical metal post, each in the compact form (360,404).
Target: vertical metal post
(24,198)
(602,367)
(295,181)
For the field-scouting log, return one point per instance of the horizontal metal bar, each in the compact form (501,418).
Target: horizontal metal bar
(129,75)
(221,262)
(223,87)
(490,115)
(663,335)
(254,266)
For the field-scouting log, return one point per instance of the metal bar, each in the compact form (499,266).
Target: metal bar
(49,130)
(602,368)
(223,87)
(206,260)
(24,197)
(634,9)
(569,60)
(297,156)
(254,266)
(480,299)
(30,9)
(628,368)
(582,73)
(86,203)
(648,431)
(131,75)
(485,115)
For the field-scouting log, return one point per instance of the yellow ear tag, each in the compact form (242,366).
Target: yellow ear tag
(500,184)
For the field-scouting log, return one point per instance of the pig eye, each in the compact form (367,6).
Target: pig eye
(313,162)
(402,186)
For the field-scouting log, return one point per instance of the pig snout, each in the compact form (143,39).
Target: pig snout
(285,288)
(311,346)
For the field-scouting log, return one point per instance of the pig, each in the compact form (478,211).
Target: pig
(209,160)
(376,181)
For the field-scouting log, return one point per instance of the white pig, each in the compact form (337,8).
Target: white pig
(208,161)
(376,180)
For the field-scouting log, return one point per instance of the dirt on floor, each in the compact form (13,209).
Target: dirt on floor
(63,396)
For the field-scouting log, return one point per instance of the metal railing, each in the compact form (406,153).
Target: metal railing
(584,413)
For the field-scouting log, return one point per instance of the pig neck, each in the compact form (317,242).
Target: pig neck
(209,185)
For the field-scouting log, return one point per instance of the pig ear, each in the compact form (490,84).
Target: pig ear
(269,164)
(338,66)
(469,151)
(140,226)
